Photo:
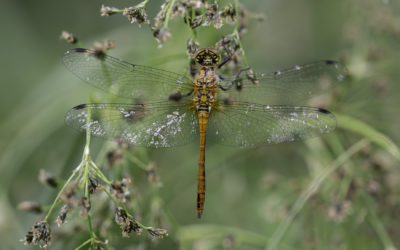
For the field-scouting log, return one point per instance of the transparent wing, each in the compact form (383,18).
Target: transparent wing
(251,125)
(122,78)
(294,85)
(154,125)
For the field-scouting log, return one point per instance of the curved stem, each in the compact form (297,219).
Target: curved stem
(84,244)
(310,190)
(61,191)
(169,11)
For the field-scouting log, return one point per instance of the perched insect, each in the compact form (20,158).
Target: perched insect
(247,110)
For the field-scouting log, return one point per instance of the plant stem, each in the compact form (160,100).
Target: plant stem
(138,162)
(84,244)
(99,173)
(169,10)
(61,191)
(312,188)
(142,4)
(377,224)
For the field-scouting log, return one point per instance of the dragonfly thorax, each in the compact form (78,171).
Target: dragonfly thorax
(205,85)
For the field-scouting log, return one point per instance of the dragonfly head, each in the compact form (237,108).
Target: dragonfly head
(207,57)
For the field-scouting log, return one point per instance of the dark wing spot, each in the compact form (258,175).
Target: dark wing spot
(324,111)
(175,97)
(230,101)
(330,62)
(81,50)
(81,106)
(99,54)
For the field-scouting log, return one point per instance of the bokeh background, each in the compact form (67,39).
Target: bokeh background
(256,197)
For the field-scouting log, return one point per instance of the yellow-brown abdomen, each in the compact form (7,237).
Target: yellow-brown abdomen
(201,177)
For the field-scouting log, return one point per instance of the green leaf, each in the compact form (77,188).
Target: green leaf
(363,129)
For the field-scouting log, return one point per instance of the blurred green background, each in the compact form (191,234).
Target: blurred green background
(250,193)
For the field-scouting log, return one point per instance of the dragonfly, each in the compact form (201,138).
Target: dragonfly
(169,109)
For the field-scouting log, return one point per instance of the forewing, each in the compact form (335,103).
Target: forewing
(294,85)
(152,125)
(251,125)
(122,78)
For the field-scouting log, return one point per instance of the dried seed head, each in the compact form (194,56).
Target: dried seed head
(228,13)
(230,44)
(85,207)
(62,215)
(108,11)
(373,187)
(100,48)
(191,47)
(100,246)
(212,16)
(68,196)
(114,157)
(242,21)
(39,234)
(161,35)
(94,185)
(159,19)
(120,190)
(151,173)
(252,77)
(131,226)
(30,206)
(120,216)
(47,178)
(28,238)
(157,233)
(338,212)
(195,21)
(126,223)
(178,10)
(136,14)
(67,36)
(381,161)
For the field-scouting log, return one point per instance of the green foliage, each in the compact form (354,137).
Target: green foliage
(339,191)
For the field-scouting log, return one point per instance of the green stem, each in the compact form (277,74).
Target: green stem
(116,203)
(99,173)
(138,162)
(60,192)
(84,244)
(169,11)
(310,190)
(377,224)
(142,4)
(92,234)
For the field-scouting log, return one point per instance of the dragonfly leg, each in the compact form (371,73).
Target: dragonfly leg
(192,67)
(220,77)
(241,71)
(229,55)
(225,61)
